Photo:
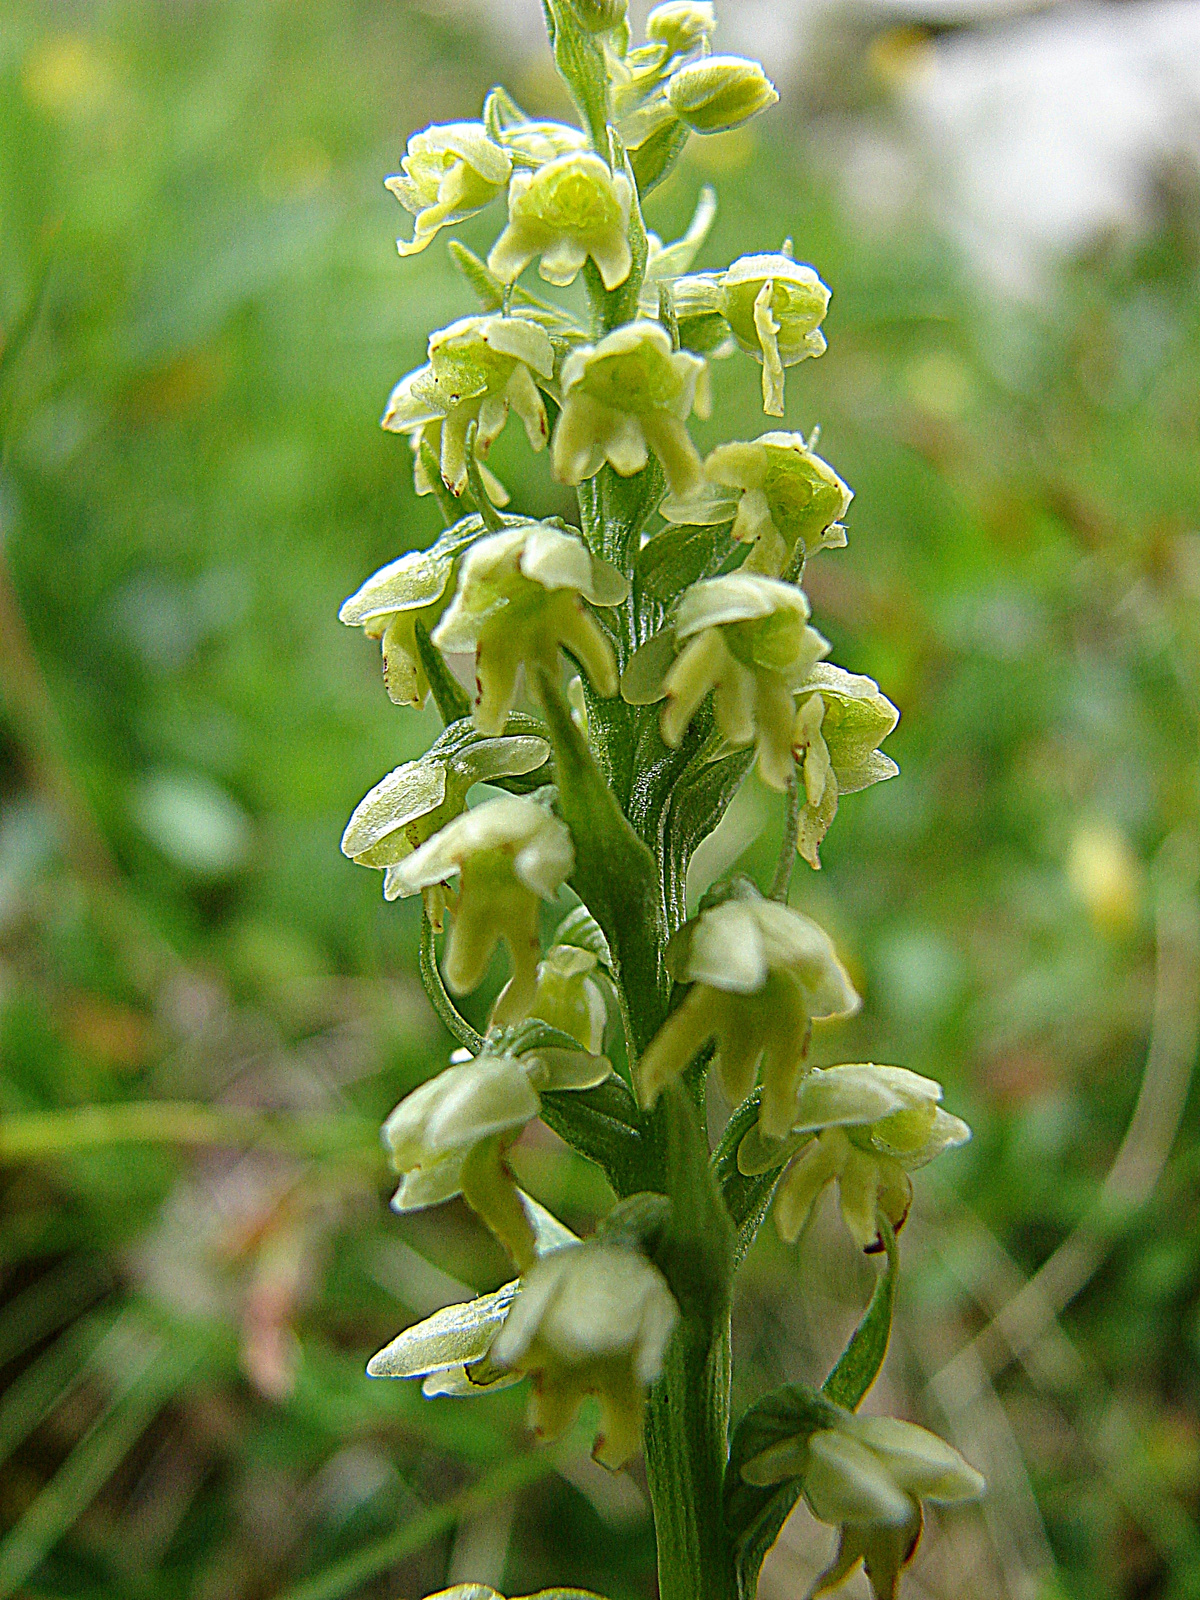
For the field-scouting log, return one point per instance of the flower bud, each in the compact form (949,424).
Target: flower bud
(719,92)
(508,853)
(681,25)
(760,974)
(449,173)
(568,210)
(569,998)
(520,600)
(624,397)
(590,1319)
(774,307)
(478,367)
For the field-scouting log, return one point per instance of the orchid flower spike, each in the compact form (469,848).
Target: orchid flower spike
(591,1319)
(509,853)
(867,1127)
(478,367)
(760,975)
(626,396)
(519,601)
(566,211)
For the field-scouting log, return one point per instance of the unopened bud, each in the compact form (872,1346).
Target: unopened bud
(720,92)
(681,25)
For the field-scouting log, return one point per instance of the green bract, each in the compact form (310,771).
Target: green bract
(680,587)
(760,975)
(508,854)
(624,397)
(568,210)
(450,172)
(591,1318)
(520,600)
(478,368)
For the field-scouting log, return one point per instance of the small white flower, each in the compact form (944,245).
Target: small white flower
(568,210)
(451,171)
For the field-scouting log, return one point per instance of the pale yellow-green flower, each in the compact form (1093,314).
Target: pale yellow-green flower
(568,996)
(864,1126)
(867,1476)
(681,25)
(478,367)
(784,500)
(519,601)
(566,211)
(760,975)
(625,396)
(841,720)
(509,853)
(746,638)
(719,92)
(590,1319)
(451,171)
(774,307)
(450,1136)
(415,588)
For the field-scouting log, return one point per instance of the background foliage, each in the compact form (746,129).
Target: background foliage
(202,313)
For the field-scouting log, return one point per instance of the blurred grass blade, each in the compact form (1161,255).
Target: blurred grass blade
(56,1297)
(89,1466)
(355,1570)
(29,1400)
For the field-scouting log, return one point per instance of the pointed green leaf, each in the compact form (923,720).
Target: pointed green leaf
(858,1365)
(449,695)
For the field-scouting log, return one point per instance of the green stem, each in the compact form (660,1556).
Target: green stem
(687,1423)
(787,847)
(431,976)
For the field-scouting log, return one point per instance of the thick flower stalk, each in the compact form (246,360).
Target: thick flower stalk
(678,585)
(519,601)
(761,974)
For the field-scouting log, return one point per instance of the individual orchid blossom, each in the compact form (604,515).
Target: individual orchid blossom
(568,996)
(509,854)
(590,1319)
(415,588)
(449,1350)
(414,800)
(717,93)
(746,638)
(450,1136)
(449,173)
(519,601)
(774,307)
(760,975)
(867,1476)
(785,501)
(626,396)
(867,1127)
(478,367)
(681,25)
(566,211)
(841,720)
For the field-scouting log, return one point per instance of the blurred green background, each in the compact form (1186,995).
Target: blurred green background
(202,313)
